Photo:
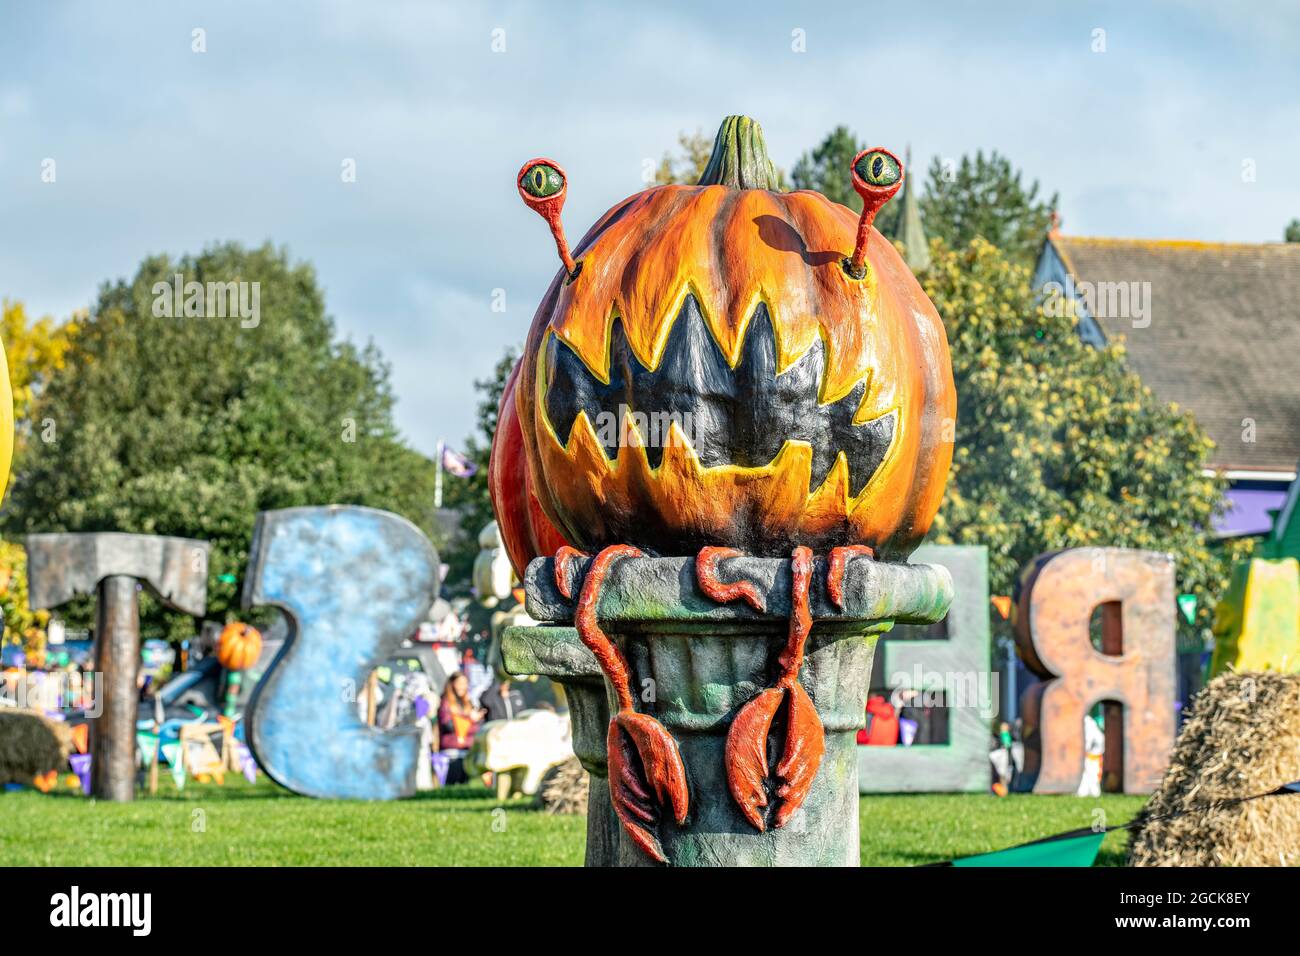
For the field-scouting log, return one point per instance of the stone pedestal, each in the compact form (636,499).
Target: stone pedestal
(696,663)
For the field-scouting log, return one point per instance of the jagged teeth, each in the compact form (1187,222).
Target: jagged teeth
(742,416)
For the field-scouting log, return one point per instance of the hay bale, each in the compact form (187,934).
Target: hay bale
(30,745)
(564,788)
(1242,738)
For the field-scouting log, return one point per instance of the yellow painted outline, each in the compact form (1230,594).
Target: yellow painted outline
(738,471)
(667,320)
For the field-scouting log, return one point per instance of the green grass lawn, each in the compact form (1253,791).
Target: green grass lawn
(263,825)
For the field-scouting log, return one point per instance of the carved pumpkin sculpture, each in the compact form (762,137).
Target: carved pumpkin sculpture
(239,646)
(718,369)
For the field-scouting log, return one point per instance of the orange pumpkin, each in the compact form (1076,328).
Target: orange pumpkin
(708,369)
(239,647)
(525,530)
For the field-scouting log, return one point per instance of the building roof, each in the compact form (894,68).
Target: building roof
(1214,327)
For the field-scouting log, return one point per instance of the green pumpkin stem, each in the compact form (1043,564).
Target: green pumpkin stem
(739,158)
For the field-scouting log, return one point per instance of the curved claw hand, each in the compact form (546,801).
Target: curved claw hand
(706,574)
(805,745)
(646,777)
(646,773)
(746,754)
(837,564)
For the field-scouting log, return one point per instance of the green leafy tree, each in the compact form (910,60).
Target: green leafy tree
(688,165)
(826,168)
(190,425)
(469,496)
(985,197)
(1057,444)
(22,626)
(1292,233)
(35,350)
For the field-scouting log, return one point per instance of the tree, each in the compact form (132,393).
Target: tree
(36,351)
(175,424)
(1292,233)
(689,165)
(1058,445)
(469,496)
(985,197)
(22,625)
(826,168)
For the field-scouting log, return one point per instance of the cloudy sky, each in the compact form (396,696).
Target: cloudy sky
(162,149)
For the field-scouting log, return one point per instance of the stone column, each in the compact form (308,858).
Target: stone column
(696,663)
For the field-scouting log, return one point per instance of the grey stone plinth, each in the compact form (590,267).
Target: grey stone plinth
(695,663)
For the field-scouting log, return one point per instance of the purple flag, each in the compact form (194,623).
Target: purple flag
(80,764)
(247,765)
(907,731)
(454,463)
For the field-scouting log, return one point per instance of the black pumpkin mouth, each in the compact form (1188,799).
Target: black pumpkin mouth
(730,416)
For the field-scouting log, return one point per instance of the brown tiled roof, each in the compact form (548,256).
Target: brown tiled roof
(1224,335)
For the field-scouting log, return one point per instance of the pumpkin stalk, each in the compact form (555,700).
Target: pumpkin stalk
(739,159)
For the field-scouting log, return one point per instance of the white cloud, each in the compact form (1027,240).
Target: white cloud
(163,149)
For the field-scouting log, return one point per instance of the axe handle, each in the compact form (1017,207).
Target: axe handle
(117,659)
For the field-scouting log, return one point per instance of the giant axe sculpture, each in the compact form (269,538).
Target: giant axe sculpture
(109,565)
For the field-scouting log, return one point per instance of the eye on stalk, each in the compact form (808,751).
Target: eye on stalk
(543,186)
(877,175)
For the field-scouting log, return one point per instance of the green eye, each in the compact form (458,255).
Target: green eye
(878,169)
(541,181)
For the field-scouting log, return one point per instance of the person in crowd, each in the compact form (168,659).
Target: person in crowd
(458,720)
(883,730)
(478,675)
(501,701)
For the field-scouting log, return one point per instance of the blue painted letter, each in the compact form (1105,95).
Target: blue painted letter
(354,582)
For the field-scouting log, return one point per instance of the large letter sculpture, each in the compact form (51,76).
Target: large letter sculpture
(355,583)
(108,565)
(961,667)
(1134,672)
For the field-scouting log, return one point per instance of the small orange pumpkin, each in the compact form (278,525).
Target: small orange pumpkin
(239,647)
(805,395)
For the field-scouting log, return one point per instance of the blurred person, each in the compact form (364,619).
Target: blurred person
(458,721)
(480,677)
(883,729)
(501,701)
(1094,746)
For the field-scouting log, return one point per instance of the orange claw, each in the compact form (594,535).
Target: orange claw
(805,745)
(746,754)
(646,775)
(706,573)
(565,559)
(839,560)
(646,772)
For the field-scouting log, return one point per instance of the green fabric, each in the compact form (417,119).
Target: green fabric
(148,744)
(1073,851)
